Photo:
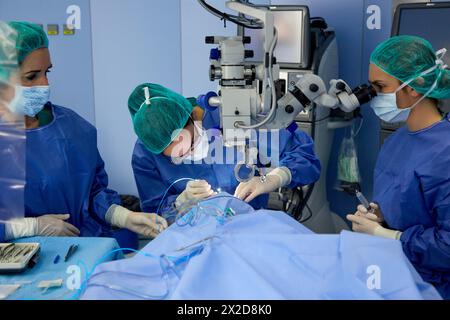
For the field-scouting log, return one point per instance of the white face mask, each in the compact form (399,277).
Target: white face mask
(385,104)
(201,148)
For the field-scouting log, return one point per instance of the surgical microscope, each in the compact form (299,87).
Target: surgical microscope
(249,97)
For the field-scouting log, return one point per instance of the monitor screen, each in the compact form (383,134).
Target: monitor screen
(431,23)
(290,47)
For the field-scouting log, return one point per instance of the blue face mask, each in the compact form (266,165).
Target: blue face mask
(33,100)
(385,107)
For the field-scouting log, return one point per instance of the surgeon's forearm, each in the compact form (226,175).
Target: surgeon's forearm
(117,216)
(20,228)
(304,172)
(283,174)
(102,202)
(387,233)
(435,254)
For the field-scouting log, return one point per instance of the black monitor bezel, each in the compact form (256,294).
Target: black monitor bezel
(306,34)
(421,6)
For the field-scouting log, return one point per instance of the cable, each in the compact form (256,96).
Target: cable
(100,261)
(310,215)
(239,20)
(359,129)
(190,213)
(269,71)
(130,291)
(302,206)
(166,263)
(167,190)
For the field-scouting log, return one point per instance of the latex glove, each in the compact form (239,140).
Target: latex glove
(20,228)
(276,179)
(195,191)
(55,225)
(376,216)
(365,225)
(144,224)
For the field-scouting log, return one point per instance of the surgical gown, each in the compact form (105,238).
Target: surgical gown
(412,187)
(155,173)
(66,175)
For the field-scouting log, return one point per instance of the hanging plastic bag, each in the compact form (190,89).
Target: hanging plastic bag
(349,176)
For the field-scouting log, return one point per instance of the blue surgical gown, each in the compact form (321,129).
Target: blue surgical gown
(66,175)
(155,173)
(412,187)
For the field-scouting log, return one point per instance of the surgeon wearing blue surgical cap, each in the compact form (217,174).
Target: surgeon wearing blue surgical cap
(412,175)
(66,191)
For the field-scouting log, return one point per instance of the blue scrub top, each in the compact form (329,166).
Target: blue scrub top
(155,173)
(66,174)
(412,187)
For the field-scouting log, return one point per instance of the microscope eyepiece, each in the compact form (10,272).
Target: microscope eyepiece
(365,93)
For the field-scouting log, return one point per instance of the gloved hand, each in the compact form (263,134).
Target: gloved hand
(369,224)
(195,191)
(145,224)
(376,216)
(276,179)
(47,226)
(55,225)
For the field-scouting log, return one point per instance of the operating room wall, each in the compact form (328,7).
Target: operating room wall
(123,44)
(196,23)
(71,78)
(133,42)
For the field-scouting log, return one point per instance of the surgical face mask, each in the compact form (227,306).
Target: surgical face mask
(385,107)
(385,104)
(201,148)
(33,100)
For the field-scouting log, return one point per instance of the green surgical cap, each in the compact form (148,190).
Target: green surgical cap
(30,38)
(406,58)
(156,123)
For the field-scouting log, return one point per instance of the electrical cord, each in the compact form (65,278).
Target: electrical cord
(167,190)
(239,20)
(167,263)
(269,72)
(310,215)
(191,212)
